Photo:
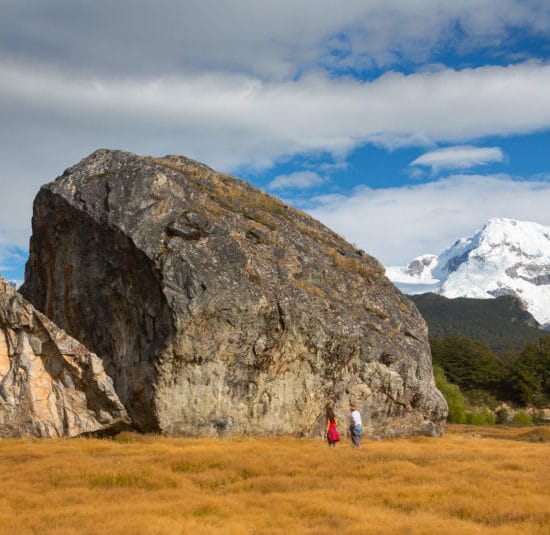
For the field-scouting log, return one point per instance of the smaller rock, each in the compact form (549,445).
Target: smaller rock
(50,384)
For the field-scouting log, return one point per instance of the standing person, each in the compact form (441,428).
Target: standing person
(332,434)
(355,425)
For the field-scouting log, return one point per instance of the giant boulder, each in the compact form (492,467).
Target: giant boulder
(217,309)
(50,385)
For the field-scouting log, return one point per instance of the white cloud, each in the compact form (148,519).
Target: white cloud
(50,120)
(245,83)
(398,224)
(268,39)
(298,180)
(232,120)
(460,157)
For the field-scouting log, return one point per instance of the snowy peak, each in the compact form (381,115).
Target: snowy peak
(422,265)
(504,230)
(523,239)
(502,239)
(506,256)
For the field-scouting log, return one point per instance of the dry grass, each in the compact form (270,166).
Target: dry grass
(309,288)
(459,484)
(354,265)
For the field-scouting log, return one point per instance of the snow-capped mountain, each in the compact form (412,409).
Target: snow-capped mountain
(504,257)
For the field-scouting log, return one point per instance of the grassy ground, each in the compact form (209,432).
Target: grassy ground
(473,480)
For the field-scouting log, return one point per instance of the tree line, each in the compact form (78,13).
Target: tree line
(471,375)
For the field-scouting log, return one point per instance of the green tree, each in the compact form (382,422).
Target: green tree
(480,398)
(468,363)
(529,374)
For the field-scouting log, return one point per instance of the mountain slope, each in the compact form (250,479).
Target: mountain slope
(505,257)
(500,323)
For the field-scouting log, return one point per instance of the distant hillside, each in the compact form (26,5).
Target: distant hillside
(500,323)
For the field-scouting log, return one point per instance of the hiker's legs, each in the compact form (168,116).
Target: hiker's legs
(355,439)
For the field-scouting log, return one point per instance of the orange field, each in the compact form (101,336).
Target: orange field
(472,480)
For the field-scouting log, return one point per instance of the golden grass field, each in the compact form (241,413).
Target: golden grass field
(472,480)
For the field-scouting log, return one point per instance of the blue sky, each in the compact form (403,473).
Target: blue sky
(401,125)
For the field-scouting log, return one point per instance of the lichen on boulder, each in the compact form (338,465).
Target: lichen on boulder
(217,309)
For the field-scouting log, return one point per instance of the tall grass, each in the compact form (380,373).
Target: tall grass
(473,480)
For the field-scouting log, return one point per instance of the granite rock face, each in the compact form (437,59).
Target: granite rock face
(219,310)
(50,385)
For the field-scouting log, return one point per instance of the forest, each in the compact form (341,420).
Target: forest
(485,387)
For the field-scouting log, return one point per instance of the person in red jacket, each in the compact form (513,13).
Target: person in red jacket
(332,434)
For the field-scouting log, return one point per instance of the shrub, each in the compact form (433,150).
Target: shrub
(482,416)
(503,416)
(481,398)
(522,418)
(453,396)
(537,415)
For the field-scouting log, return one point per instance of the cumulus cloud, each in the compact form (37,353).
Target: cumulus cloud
(460,157)
(298,180)
(398,224)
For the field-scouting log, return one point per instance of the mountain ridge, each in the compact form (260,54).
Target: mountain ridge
(504,257)
(501,323)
